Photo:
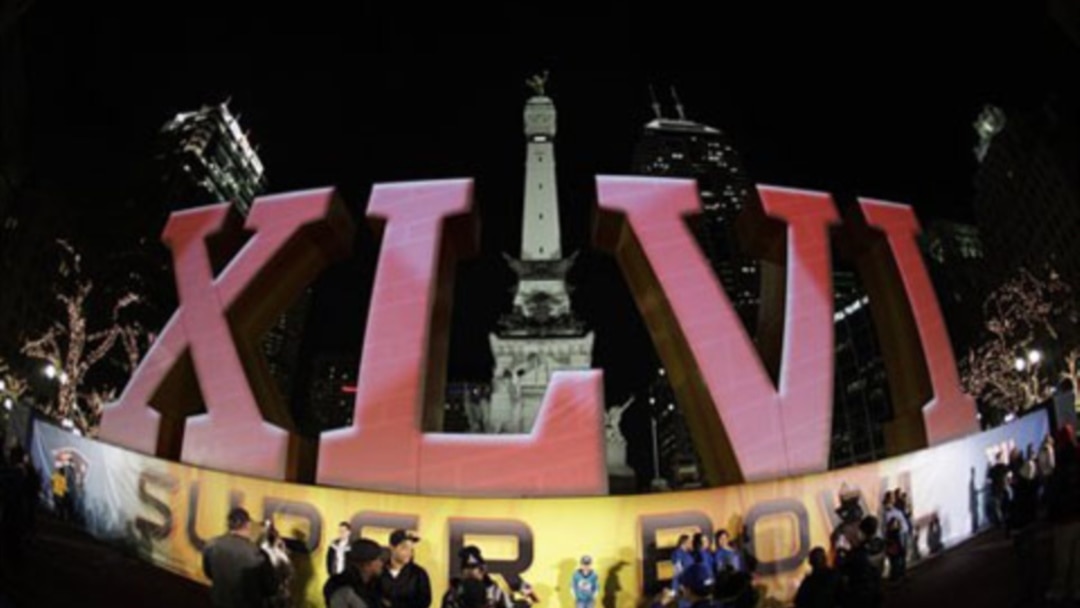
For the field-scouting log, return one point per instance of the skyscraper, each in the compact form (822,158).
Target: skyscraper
(1027,188)
(860,386)
(956,260)
(678,147)
(207,159)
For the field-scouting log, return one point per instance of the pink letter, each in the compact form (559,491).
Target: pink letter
(246,428)
(918,354)
(743,426)
(403,364)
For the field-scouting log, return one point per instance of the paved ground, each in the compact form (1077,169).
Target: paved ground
(67,568)
(985,572)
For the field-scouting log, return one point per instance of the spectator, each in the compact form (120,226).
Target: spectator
(897,535)
(681,559)
(404,584)
(727,558)
(274,547)
(473,567)
(860,579)
(338,550)
(702,551)
(241,575)
(819,588)
(586,584)
(357,586)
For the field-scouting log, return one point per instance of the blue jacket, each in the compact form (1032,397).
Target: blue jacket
(586,586)
(706,557)
(728,557)
(680,560)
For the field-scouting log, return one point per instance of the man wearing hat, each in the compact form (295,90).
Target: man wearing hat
(404,584)
(473,568)
(240,574)
(696,584)
(358,585)
(586,584)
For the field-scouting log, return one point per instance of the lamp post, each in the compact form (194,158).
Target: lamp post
(1029,363)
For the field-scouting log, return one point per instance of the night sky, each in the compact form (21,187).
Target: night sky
(853,103)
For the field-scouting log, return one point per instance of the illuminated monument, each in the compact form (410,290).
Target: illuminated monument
(540,335)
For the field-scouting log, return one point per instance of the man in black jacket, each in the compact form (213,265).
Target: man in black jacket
(404,584)
(240,573)
(357,586)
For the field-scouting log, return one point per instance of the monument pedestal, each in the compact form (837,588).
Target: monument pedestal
(621,478)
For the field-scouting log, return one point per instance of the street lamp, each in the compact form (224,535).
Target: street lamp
(663,372)
(51,372)
(1034,357)
(1020,364)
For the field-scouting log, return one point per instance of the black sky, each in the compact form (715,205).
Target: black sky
(876,102)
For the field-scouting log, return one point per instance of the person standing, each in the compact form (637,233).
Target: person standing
(240,574)
(681,559)
(358,585)
(819,588)
(703,551)
(586,584)
(404,584)
(274,547)
(474,568)
(897,534)
(338,549)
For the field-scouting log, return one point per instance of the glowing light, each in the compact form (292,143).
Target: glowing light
(67,423)
(51,372)
(9,404)
(1034,357)
(1020,364)
(3,385)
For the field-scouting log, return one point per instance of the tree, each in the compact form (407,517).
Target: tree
(1032,340)
(71,349)
(11,385)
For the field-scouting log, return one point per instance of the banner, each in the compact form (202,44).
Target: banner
(168,511)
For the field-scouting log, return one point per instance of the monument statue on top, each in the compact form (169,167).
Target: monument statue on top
(540,334)
(616,442)
(538,83)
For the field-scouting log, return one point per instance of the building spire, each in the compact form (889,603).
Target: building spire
(655,103)
(678,103)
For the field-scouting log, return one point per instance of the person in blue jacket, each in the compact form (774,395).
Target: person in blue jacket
(703,551)
(727,557)
(586,584)
(681,559)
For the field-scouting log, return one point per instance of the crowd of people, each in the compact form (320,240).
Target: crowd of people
(729,568)
(1038,488)
(18,506)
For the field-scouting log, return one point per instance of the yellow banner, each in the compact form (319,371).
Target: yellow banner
(170,510)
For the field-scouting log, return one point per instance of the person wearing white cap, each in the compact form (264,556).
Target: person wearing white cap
(586,584)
